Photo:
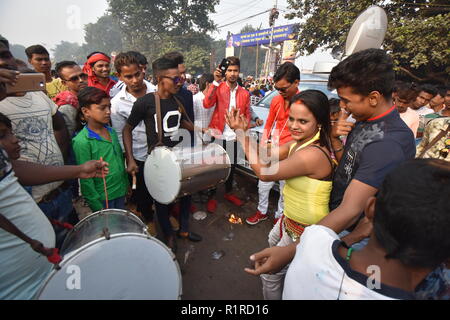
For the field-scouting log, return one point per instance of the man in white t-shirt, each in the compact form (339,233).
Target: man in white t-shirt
(408,241)
(25,232)
(202,115)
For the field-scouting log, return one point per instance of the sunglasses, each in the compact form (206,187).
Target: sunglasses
(81,77)
(283,90)
(176,80)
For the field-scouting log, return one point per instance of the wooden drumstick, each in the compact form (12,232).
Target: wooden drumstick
(134,181)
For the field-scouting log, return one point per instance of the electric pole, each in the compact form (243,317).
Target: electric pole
(273,16)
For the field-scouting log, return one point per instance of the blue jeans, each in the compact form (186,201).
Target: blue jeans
(118,203)
(59,209)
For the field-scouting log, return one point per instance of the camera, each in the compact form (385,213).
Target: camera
(224,66)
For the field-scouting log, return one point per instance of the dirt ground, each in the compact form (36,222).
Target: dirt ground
(205,278)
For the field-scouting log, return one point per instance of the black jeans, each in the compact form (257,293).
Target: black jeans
(144,200)
(231,147)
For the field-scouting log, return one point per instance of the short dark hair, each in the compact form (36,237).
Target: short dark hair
(4,41)
(5,120)
(36,49)
(234,61)
(288,71)
(139,57)
(428,88)
(406,91)
(411,213)
(90,95)
(204,79)
(64,64)
(365,71)
(175,56)
(317,102)
(442,90)
(335,105)
(125,59)
(163,64)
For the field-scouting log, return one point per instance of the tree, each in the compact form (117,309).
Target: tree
(417,38)
(18,51)
(105,35)
(160,26)
(71,51)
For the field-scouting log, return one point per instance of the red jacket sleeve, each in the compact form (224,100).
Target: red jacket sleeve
(210,97)
(270,119)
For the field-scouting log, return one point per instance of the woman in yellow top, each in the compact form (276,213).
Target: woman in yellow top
(305,163)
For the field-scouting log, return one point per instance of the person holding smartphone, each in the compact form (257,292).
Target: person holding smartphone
(226,94)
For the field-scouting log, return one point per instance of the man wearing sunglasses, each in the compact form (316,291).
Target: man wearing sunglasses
(144,109)
(276,133)
(74,79)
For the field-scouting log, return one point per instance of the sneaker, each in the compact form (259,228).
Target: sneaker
(233,199)
(151,228)
(256,218)
(211,206)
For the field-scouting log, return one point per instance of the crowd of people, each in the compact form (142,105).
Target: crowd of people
(351,195)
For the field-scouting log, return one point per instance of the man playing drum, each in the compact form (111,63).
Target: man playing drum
(144,109)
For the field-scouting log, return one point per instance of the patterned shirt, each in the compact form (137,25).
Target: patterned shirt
(31,118)
(433,128)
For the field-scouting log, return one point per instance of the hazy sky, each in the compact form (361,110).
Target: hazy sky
(48,22)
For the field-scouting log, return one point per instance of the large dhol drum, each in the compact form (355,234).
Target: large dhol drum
(110,256)
(173,173)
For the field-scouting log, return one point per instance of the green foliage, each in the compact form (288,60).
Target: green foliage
(105,35)
(70,51)
(18,51)
(418,36)
(157,27)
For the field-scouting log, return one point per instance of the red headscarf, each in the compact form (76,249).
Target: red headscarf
(93,59)
(66,97)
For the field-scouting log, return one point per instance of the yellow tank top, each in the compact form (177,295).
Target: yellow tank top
(306,199)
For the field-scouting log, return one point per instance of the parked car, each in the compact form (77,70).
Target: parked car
(307,82)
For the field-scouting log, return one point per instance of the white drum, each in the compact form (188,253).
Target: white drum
(131,265)
(173,173)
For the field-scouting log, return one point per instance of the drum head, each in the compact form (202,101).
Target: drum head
(126,267)
(162,175)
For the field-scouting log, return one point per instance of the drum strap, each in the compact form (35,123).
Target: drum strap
(159,123)
(183,110)
(159,119)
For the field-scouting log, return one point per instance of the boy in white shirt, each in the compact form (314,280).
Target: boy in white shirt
(409,240)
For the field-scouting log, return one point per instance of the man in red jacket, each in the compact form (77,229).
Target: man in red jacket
(226,95)
(276,132)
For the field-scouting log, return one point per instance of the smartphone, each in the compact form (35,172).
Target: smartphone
(27,82)
(224,66)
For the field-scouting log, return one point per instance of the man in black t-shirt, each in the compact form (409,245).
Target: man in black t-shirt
(144,109)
